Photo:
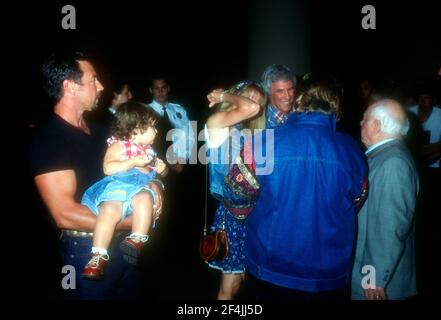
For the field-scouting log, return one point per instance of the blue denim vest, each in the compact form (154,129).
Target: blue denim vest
(219,161)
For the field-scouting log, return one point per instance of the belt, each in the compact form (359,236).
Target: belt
(83,234)
(76,233)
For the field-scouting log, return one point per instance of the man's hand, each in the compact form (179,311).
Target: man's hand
(375,294)
(157,206)
(161,167)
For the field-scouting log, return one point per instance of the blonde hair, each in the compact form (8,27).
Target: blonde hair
(257,122)
(320,93)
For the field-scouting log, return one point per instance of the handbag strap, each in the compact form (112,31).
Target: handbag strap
(206,198)
(206,202)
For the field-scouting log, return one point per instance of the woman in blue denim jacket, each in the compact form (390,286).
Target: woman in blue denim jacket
(241,107)
(129,164)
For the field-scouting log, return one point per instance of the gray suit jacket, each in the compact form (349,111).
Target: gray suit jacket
(386,230)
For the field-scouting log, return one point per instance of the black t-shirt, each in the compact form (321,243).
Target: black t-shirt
(59,146)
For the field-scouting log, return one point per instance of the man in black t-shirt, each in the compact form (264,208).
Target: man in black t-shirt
(66,158)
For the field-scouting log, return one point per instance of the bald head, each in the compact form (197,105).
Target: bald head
(383,120)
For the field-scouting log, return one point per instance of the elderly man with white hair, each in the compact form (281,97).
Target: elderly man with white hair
(384,266)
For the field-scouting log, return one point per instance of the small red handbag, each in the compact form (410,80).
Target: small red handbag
(214,246)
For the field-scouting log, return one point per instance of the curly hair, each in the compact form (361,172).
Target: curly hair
(130,116)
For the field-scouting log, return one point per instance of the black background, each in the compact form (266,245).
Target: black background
(200,46)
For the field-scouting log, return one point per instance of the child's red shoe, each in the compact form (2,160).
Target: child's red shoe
(95,267)
(132,246)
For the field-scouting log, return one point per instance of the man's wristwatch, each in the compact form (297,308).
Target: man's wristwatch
(160,183)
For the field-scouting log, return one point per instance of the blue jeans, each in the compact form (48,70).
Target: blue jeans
(121,280)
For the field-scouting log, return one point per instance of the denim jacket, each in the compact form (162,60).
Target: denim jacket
(301,232)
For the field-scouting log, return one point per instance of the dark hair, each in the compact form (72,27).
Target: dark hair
(132,115)
(320,93)
(158,76)
(115,85)
(59,67)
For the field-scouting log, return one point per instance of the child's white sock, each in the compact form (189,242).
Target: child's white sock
(99,250)
(139,236)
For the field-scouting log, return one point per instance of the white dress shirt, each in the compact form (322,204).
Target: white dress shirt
(183,138)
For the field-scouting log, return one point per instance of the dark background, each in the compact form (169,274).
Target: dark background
(200,46)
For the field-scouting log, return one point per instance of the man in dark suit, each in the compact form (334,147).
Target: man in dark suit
(384,265)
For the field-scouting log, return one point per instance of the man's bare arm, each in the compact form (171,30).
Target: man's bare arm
(57,190)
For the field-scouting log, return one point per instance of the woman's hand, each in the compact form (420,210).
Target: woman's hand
(215,97)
